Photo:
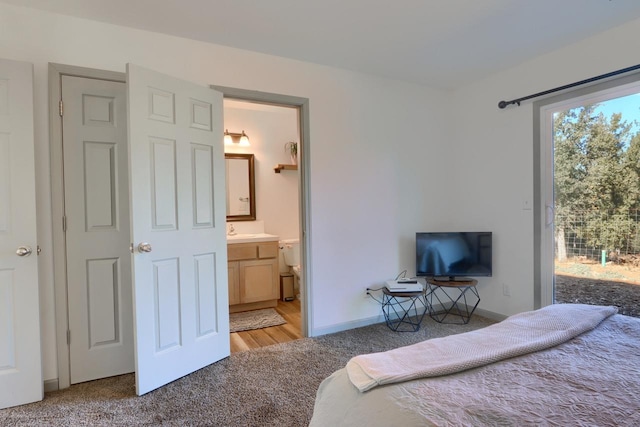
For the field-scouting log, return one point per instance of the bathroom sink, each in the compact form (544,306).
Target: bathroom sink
(248,238)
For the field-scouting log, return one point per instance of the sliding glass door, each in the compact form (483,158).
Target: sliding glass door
(587,191)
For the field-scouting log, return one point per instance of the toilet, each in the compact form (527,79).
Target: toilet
(290,251)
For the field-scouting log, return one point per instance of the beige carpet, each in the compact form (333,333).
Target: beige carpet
(255,319)
(270,386)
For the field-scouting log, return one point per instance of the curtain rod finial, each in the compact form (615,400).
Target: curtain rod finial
(502,104)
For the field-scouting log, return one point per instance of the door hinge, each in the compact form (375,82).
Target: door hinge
(64,223)
(61,108)
(68,337)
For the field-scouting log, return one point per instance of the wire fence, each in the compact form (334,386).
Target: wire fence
(588,233)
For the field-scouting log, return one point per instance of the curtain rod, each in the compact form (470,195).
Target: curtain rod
(504,104)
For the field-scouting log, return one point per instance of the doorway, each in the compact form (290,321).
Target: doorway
(120,333)
(585,192)
(301,105)
(271,129)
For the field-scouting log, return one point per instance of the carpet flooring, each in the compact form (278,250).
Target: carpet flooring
(270,386)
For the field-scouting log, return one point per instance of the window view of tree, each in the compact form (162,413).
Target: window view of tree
(597,203)
(597,180)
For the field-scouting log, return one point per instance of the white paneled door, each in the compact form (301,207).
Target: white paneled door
(20,360)
(177,174)
(97,228)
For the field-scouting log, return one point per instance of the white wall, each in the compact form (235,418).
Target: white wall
(375,146)
(493,152)
(269,129)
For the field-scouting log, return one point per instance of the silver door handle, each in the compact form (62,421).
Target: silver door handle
(23,251)
(549,216)
(144,247)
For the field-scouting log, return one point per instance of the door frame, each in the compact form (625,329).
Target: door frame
(543,238)
(56,71)
(304,188)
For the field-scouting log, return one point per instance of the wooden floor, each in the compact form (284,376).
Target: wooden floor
(256,338)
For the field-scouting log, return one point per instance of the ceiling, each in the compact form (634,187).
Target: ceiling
(438,43)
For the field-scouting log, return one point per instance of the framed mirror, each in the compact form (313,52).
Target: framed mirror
(241,187)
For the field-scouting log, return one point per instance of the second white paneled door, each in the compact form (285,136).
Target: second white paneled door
(181,312)
(98,231)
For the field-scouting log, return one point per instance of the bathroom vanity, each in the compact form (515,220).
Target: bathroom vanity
(253,272)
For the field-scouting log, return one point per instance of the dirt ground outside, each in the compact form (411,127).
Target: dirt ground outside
(588,282)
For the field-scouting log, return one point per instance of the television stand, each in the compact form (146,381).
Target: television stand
(453,279)
(452,299)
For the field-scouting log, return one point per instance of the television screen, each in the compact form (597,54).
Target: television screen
(453,254)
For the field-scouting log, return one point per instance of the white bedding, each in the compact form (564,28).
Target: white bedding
(592,379)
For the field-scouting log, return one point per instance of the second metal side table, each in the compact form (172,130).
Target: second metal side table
(452,300)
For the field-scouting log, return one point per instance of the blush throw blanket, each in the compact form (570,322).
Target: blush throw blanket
(517,335)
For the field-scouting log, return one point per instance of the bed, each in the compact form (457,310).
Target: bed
(508,374)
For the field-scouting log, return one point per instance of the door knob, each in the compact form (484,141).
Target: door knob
(23,251)
(144,247)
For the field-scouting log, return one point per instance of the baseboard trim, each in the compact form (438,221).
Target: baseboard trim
(490,315)
(51,385)
(339,327)
(353,324)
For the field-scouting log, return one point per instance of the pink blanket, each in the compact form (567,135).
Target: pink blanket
(517,335)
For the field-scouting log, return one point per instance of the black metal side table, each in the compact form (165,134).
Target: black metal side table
(455,300)
(402,313)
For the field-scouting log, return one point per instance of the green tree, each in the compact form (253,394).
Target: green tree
(631,172)
(570,130)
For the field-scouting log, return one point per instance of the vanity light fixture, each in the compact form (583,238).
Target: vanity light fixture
(227,138)
(231,138)
(244,140)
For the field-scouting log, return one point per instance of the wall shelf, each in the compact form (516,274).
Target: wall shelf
(281,166)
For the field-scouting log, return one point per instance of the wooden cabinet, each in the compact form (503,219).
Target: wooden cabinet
(234,283)
(253,275)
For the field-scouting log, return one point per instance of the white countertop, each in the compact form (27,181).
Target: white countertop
(250,238)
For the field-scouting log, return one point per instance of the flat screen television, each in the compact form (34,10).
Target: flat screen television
(447,255)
